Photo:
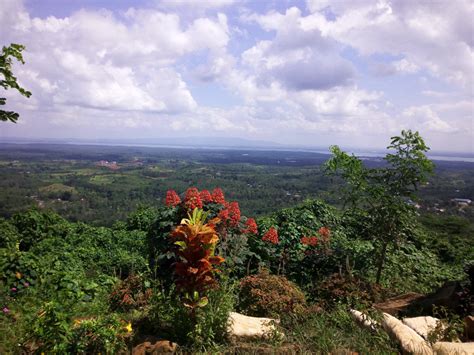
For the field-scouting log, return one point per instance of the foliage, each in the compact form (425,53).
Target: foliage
(211,322)
(19,270)
(449,328)
(55,331)
(132,293)
(196,264)
(409,268)
(266,295)
(346,289)
(34,226)
(170,318)
(108,334)
(383,192)
(141,219)
(9,81)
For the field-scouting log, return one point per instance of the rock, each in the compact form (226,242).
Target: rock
(469,327)
(410,341)
(445,348)
(397,304)
(363,319)
(422,325)
(251,327)
(152,345)
(446,296)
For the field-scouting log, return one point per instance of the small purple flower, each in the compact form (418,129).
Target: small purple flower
(5,310)
(27,284)
(13,289)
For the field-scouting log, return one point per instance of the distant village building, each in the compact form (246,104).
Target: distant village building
(414,204)
(105,163)
(462,201)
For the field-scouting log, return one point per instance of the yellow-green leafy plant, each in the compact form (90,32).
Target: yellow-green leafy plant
(195,269)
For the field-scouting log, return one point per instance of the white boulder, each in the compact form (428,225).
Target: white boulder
(251,327)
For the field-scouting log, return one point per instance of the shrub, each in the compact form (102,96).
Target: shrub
(348,290)
(106,334)
(266,295)
(196,265)
(131,293)
(170,318)
(55,331)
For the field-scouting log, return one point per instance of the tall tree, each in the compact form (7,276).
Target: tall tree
(9,81)
(383,194)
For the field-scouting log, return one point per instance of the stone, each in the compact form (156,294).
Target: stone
(447,296)
(422,325)
(241,326)
(410,341)
(469,327)
(448,348)
(153,346)
(363,319)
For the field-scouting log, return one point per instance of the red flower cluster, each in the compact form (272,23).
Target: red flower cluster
(224,215)
(205,196)
(311,241)
(172,198)
(218,196)
(324,232)
(271,236)
(251,226)
(192,199)
(234,214)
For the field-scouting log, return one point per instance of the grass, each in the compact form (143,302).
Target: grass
(57,188)
(101,179)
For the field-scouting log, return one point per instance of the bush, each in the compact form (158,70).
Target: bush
(55,331)
(348,290)
(202,332)
(266,295)
(131,293)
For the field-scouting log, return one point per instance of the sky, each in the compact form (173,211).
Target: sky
(314,73)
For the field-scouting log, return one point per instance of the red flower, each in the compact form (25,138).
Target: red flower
(218,196)
(192,199)
(234,213)
(271,236)
(311,241)
(251,226)
(172,198)
(325,233)
(205,196)
(224,215)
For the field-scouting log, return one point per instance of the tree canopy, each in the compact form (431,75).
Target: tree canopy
(9,81)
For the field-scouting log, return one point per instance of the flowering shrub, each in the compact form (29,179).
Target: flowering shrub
(225,217)
(250,227)
(218,196)
(205,196)
(271,236)
(192,199)
(310,241)
(172,198)
(322,238)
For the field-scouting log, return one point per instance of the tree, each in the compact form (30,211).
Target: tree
(382,195)
(9,81)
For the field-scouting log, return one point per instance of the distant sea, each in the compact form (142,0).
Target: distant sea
(465,157)
(360,154)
